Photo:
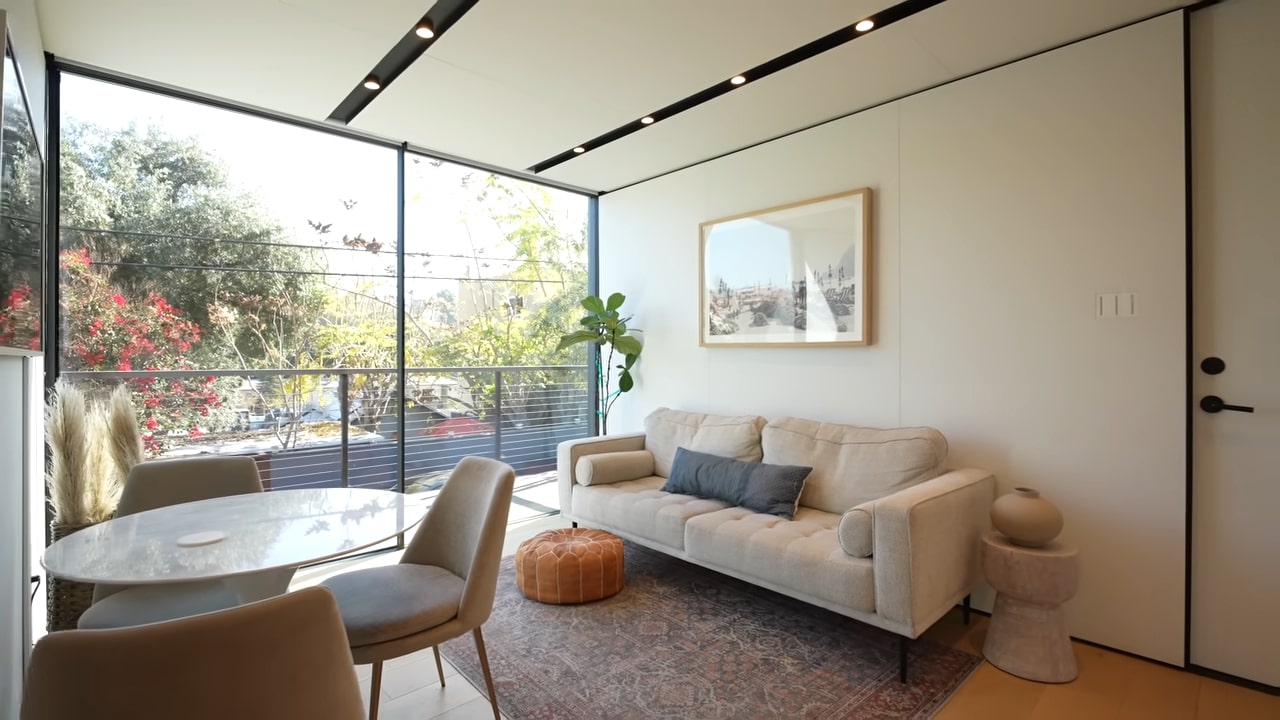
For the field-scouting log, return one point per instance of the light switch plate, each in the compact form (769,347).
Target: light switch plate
(1113,305)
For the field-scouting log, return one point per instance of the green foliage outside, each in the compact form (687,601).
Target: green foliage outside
(156,211)
(163,220)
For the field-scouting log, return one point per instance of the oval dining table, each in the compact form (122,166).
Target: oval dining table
(254,541)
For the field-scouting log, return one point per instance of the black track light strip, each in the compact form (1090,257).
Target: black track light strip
(442,16)
(827,42)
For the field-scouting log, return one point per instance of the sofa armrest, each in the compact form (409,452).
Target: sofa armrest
(568,452)
(928,541)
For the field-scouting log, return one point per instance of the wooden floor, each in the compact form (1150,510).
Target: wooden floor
(1111,685)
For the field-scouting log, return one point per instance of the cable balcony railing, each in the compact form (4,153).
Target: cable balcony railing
(350,427)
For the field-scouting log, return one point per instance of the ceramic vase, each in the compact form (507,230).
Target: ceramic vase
(1026,518)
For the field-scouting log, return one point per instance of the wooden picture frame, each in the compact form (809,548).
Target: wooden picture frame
(796,275)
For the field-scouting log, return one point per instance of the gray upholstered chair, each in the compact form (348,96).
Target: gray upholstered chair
(160,483)
(285,657)
(445,582)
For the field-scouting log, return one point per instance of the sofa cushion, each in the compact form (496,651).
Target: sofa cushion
(641,509)
(853,465)
(737,437)
(770,489)
(802,555)
(611,467)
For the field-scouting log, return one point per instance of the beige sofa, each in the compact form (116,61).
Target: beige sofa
(883,532)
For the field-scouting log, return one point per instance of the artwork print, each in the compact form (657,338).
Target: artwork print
(793,275)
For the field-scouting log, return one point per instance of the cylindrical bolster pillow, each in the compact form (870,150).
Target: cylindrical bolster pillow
(854,531)
(603,468)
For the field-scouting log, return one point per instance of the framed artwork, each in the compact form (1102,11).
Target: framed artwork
(788,276)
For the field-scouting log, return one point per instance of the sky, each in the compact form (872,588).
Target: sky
(302,175)
(747,252)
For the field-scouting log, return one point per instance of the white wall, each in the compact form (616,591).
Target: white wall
(19,459)
(1003,204)
(17,426)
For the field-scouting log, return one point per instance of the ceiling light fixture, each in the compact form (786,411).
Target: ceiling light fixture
(579,149)
(417,37)
(849,30)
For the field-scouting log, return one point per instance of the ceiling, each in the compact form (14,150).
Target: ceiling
(516,82)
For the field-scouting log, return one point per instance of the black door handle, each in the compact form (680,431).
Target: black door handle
(1215,404)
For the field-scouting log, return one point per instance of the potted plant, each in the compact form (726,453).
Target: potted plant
(91,449)
(604,325)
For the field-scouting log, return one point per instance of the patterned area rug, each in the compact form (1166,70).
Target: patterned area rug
(681,641)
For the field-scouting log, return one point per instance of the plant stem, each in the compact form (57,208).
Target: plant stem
(604,397)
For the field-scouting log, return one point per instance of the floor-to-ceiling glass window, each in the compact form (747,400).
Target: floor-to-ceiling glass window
(239,275)
(495,269)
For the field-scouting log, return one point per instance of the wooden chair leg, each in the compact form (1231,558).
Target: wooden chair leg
(488,679)
(439,667)
(375,691)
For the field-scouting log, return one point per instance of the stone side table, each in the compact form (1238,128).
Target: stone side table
(1028,632)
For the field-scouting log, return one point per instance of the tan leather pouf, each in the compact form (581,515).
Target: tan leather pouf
(571,565)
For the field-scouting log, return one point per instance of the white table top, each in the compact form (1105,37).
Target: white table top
(235,535)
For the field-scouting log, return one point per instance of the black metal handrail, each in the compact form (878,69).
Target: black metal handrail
(289,372)
(523,451)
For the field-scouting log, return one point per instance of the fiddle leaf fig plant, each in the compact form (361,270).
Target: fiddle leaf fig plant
(604,325)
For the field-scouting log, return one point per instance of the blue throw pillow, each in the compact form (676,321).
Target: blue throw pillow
(771,489)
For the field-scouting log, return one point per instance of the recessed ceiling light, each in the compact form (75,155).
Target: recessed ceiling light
(864,25)
(647,120)
(737,79)
(372,83)
(579,149)
(424,30)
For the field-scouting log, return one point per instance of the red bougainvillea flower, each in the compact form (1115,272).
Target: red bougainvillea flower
(107,328)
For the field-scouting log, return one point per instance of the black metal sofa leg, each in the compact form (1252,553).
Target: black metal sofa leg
(903,641)
(966,606)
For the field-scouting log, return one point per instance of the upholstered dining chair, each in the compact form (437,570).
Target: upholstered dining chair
(284,657)
(160,483)
(445,582)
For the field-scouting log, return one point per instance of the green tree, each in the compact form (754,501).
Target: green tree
(161,213)
(128,334)
(548,267)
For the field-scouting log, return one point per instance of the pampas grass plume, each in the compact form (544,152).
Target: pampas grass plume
(102,489)
(123,438)
(67,432)
(92,446)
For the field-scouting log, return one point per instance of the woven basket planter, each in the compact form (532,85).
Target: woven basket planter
(66,600)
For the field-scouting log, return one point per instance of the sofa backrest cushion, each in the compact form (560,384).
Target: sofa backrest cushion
(737,437)
(852,465)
